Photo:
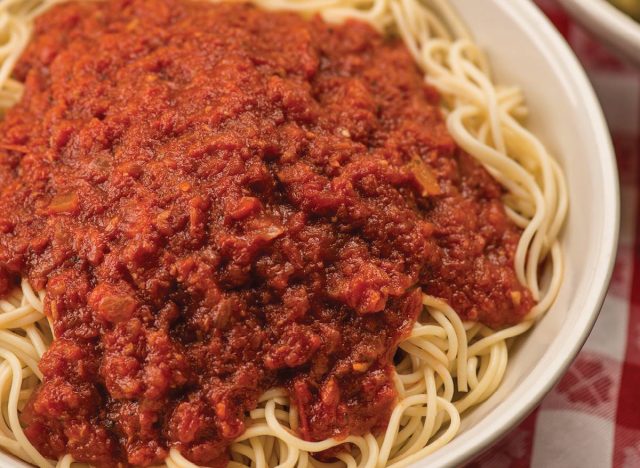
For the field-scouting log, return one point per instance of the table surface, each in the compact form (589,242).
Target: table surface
(592,417)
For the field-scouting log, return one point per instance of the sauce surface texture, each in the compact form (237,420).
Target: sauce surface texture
(219,200)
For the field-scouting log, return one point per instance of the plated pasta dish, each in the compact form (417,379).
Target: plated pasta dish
(293,233)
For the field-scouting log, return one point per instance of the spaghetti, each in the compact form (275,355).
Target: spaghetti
(446,365)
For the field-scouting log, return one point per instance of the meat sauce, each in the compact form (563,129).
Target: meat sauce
(219,200)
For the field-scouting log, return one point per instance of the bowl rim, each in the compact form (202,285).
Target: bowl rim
(481,438)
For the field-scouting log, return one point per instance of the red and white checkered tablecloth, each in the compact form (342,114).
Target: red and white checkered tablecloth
(591,419)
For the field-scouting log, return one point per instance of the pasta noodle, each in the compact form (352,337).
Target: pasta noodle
(446,366)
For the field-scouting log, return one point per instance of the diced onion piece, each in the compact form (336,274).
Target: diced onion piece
(424,176)
(64,203)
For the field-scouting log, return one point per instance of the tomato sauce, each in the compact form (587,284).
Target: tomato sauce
(219,200)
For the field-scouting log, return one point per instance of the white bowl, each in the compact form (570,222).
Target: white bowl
(525,49)
(618,30)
